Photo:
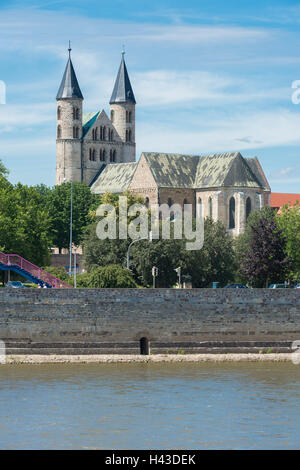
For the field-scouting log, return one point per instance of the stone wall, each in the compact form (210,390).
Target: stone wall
(114,320)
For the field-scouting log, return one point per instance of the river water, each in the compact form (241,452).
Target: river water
(150,406)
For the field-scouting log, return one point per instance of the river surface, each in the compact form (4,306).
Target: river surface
(150,406)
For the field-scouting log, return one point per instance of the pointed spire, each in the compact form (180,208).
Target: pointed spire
(69,87)
(122,92)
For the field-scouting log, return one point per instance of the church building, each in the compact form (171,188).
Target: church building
(100,151)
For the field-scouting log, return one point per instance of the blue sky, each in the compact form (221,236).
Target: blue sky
(208,76)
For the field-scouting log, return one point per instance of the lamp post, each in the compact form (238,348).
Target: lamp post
(71,227)
(132,243)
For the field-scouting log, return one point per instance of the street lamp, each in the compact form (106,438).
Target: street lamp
(132,243)
(71,226)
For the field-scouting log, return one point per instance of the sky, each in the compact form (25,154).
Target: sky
(208,77)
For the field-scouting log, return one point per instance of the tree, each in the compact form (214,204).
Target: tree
(98,252)
(288,221)
(112,276)
(264,259)
(215,261)
(24,223)
(58,205)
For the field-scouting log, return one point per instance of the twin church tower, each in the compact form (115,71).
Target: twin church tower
(87,142)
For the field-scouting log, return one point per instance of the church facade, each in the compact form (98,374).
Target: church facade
(100,151)
(87,142)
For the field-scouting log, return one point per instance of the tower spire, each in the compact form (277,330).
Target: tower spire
(122,92)
(69,87)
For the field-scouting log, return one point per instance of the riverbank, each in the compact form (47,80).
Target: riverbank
(167,358)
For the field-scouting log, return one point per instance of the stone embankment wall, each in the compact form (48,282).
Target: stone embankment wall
(107,321)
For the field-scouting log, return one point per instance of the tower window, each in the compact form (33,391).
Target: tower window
(59,113)
(75,132)
(147,202)
(58,132)
(232,213)
(75,113)
(128,136)
(129,116)
(112,115)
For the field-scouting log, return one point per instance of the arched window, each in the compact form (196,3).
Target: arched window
(232,213)
(58,132)
(170,202)
(104,133)
(112,115)
(129,116)
(126,116)
(248,207)
(104,155)
(111,135)
(58,112)
(147,202)
(93,155)
(210,205)
(199,207)
(75,113)
(129,136)
(112,156)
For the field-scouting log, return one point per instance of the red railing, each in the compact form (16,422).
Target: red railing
(34,270)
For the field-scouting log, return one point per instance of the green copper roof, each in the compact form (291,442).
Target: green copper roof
(88,121)
(115,178)
(186,171)
(203,171)
(171,170)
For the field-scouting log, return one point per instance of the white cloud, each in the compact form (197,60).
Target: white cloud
(265,129)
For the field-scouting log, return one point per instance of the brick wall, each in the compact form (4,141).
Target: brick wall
(114,320)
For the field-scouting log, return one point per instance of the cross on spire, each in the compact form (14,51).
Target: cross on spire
(69,49)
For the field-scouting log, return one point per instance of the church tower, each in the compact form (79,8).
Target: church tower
(122,112)
(69,127)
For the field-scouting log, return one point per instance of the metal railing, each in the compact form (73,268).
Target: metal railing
(40,273)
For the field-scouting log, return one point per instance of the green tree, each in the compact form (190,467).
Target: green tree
(24,223)
(215,261)
(288,221)
(58,205)
(112,276)
(262,250)
(98,252)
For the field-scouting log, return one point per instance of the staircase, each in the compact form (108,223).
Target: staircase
(31,272)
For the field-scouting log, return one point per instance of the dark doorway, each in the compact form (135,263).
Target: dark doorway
(144,346)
